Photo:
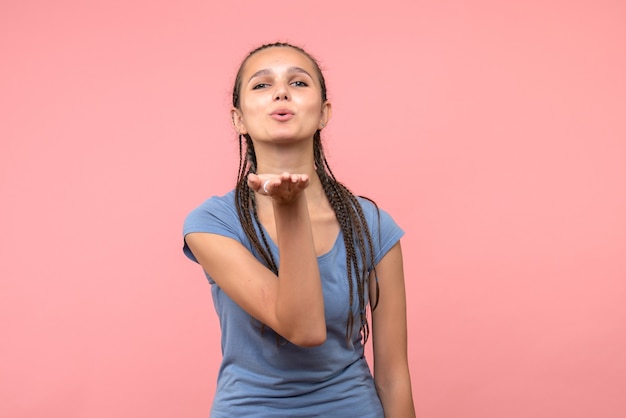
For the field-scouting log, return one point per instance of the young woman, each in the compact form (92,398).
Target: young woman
(295,259)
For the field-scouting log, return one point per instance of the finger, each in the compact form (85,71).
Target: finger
(300,178)
(265,187)
(253,181)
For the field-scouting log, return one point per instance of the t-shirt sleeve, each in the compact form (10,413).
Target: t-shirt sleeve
(385,231)
(213,216)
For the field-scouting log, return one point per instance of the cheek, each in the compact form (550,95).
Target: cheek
(251,108)
(311,105)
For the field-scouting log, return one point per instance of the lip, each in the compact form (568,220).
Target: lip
(282,115)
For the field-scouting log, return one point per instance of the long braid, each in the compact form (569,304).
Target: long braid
(246,205)
(338,203)
(368,235)
(355,230)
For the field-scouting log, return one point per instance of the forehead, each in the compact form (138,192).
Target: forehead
(278,59)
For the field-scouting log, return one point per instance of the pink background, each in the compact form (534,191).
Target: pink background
(494,132)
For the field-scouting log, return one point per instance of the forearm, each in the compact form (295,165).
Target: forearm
(396,397)
(300,302)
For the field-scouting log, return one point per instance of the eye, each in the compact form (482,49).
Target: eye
(260,86)
(299,84)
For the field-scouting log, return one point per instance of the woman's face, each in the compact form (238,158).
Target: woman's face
(280,97)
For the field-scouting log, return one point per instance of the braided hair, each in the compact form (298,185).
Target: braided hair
(356,234)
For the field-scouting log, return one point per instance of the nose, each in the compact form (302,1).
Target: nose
(282,92)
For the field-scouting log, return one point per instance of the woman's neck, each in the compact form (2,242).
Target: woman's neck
(294,159)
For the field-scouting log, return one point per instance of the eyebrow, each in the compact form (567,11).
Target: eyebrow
(266,71)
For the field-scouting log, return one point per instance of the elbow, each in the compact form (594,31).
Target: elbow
(312,338)
(304,329)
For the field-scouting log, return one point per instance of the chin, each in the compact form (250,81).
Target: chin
(290,136)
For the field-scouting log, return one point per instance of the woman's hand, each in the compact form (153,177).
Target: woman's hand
(283,188)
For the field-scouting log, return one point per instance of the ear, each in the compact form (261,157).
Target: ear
(237,118)
(327,112)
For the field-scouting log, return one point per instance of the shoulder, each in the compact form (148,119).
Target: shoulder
(215,210)
(376,216)
(216,215)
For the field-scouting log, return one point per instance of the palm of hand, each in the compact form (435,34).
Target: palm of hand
(283,188)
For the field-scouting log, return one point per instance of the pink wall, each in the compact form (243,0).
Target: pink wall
(495,133)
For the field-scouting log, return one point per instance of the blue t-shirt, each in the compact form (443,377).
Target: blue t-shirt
(263,375)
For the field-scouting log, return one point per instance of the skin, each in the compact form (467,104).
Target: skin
(281,109)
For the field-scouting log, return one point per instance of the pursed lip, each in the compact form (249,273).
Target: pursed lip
(282,115)
(282,112)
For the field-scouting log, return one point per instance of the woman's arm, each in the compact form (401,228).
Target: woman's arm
(389,332)
(291,303)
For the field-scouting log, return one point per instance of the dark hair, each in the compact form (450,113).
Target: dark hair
(356,233)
